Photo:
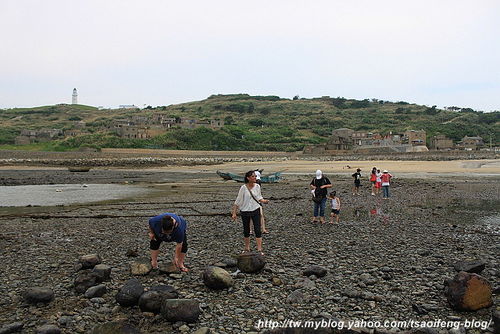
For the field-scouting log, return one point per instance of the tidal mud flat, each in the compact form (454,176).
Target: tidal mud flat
(386,260)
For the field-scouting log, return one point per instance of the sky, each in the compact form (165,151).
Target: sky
(162,52)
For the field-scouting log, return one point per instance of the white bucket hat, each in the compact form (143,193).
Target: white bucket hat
(319,174)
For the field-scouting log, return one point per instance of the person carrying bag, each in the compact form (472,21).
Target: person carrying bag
(319,187)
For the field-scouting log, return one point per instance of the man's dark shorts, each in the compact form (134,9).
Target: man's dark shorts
(155,243)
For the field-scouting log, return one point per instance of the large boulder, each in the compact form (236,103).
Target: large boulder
(89,261)
(85,280)
(140,267)
(115,327)
(130,293)
(103,271)
(251,262)
(39,295)
(150,301)
(468,292)
(475,267)
(217,278)
(185,310)
(318,271)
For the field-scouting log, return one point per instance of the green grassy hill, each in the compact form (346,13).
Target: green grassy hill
(253,122)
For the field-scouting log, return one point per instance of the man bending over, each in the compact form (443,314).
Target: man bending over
(168,227)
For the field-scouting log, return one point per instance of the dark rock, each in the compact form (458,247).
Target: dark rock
(140,267)
(228,262)
(296,297)
(202,330)
(90,261)
(470,266)
(251,262)
(103,271)
(424,252)
(115,327)
(48,329)
(150,301)
(85,280)
(318,271)
(217,278)
(468,292)
(167,290)
(276,281)
(12,328)
(132,253)
(130,293)
(419,309)
(169,268)
(186,310)
(95,291)
(39,295)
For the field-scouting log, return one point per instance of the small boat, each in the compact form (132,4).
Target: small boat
(80,169)
(271,178)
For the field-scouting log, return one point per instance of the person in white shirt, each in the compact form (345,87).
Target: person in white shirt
(249,202)
(335,207)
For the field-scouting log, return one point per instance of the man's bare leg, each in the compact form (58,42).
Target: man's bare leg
(154,258)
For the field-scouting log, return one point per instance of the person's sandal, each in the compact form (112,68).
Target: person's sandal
(183,269)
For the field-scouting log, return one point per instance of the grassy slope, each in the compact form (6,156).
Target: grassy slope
(269,123)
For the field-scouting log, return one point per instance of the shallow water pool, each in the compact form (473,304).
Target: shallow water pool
(62,194)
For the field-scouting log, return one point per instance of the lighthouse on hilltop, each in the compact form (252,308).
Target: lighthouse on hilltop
(74,97)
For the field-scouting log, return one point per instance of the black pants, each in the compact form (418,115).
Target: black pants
(255,217)
(155,243)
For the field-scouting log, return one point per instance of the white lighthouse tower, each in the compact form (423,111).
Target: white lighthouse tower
(74,99)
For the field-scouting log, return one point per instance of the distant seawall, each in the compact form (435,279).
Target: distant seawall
(144,158)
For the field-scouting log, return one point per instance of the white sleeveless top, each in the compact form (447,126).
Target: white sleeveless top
(335,204)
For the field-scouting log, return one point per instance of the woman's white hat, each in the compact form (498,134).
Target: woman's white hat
(319,174)
(385,171)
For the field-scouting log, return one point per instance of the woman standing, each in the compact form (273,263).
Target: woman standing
(249,202)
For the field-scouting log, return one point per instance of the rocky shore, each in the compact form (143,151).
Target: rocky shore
(161,158)
(387,260)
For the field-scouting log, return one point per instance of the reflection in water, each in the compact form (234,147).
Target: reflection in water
(491,224)
(377,213)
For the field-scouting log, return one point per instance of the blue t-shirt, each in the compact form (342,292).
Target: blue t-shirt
(177,234)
